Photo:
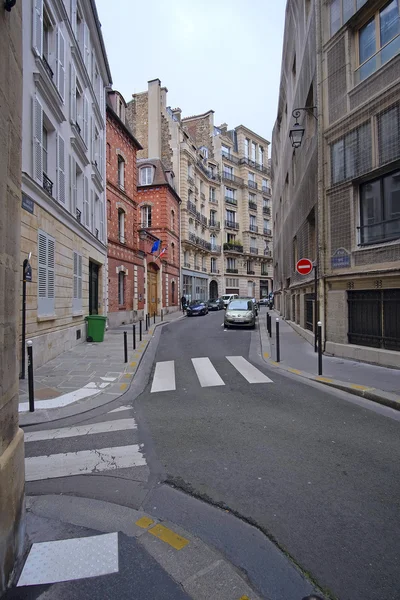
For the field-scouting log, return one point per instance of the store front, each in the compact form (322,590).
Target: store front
(195,286)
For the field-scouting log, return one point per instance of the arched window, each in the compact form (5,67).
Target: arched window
(146,175)
(121,288)
(121,172)
(121,225)
(173,220)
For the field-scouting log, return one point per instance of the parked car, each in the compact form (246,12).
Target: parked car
(264,301)
(226,298)
(254,301)
(215,304)
(240,313)
(197,307)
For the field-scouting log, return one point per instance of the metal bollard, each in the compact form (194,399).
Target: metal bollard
(162,315)
(313,597)
(268,323)
(134,336)
(125,347)
(140,330)
(319,333)
(278,348)
(30,377)
(154,315)
(147,322)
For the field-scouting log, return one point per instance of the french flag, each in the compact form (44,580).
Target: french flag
(163,251)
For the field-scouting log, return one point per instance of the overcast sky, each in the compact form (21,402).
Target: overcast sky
(223,55)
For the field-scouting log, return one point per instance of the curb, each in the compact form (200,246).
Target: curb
(40,417)
(363,391)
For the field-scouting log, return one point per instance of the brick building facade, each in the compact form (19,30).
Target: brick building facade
(125,266)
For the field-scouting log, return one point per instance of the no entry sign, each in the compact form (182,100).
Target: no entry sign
(304,266)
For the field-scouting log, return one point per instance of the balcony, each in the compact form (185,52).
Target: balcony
(230,200)
(253,228)
(47,185)
(267,231)
(266,190)
(214,270)
(252,206)
(191,207)
(207,172)
(203,220)
(231,270)
(238,181)
(232,225)
(267,210)
(232,247)
(187,265)
(255,165)
(214,224)
(198,241)
(190,180)
(228,156)
(215,249)
(212,200)
(47,67)
(252,184)
(78,215)
(253,250)
(250,272)
(268,253)
(204,269)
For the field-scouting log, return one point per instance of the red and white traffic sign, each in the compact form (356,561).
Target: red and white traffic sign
(304,266)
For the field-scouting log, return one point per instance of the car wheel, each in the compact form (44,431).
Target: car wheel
(226,325)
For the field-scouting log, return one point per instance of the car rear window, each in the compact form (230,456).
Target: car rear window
(240,305)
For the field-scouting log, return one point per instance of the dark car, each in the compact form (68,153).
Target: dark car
(197,307)
(215,304)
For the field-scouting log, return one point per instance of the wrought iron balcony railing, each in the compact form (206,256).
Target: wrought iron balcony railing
(47,185)
(190,180)
(228,156)
(231,225)
(230,200)
(186,265)
(255,165)
(215,249)
(252,205)
(268,253)
(253,228)
(232,247)
(267,231)
(198,241)
(214,224)
(238,181)
(227,270)
(266,210)
(266,190)
(252,184)
(191,207)
(253,250)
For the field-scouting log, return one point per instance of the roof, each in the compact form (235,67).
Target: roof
(121,124)
(102,45)
(199,116)
(160,175)
(252,133)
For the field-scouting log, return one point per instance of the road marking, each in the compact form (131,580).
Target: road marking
(78,430)
(206,372)
(119,409)
(295,371)
(82,462)
(64,399)
(66,560)
(123,386)
(144,522)
(249,371)
(169,537)
(356,386)
(266,355)
(324,379)
(164,377)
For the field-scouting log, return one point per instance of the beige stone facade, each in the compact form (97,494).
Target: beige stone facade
(12,475)
(346,63)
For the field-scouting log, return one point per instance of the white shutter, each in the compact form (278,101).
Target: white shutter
(102,232)
(80,279)
(73,93)
(86,37)
(86,202)
(60,63)
(86,120)
(46,274)
(38,27)
(101,157)
(37,141)
(73,16)
(75,288)
(91,225)
(60,169)
(73,187)
(51,271)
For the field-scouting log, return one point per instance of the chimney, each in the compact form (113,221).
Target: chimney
(154,118)
(177,112)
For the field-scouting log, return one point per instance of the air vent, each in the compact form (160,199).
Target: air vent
(78,334)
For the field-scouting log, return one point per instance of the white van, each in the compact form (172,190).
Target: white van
(228,297)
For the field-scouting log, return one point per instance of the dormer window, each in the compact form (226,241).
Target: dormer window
(204,151)
(146,175)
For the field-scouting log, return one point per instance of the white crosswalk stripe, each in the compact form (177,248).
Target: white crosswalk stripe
(207,375)
(65,432)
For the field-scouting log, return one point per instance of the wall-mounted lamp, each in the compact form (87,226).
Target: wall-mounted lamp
(297,131)
(8,4)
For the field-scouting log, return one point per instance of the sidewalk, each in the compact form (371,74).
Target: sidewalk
(91,372)
(297,356)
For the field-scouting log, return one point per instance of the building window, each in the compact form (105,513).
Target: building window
(253,245)
(204,151)
(146,175)
(251,177)
(121,172)
(173,292)
(246,147)
(108,152)
(77,299)
(351,156)
(121,226)
(173,252)
(230,216)
(230,194)
(380,210)
(250,267)
(228,172)
(341,11)
(389,134)
(213,264)
(232,282)
(121,288)
(146,216)
(109,210)
(264,268)
(190,170)
(46,274)
(211,195)
(45,151)
(231,238)
(261,155)
(378,40)
(253,223)
(231,264)
(253,151)
(226,151)
(213,241)
(172,220)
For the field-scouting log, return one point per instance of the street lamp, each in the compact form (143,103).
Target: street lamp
(26,277)
(296,133)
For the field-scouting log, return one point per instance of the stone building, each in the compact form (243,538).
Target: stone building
(353,173)
(12,474)
(63,220)
(125,266)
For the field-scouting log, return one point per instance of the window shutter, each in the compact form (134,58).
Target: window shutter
(86,202)
(101,157)
(91,225)
(73,16)
(51,271)
(92,150)
(102,233)
(75,292)
(38,27)
(73,187)
(37,141)
(80,279)
(73,93)
(60,63)
(86,120)
(60,169)
(86,37)
(46,274)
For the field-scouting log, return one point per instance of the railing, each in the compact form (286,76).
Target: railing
(253,250)
(191,207)
(213,200)
(229,247)
(203,220)
(207,172)
(267,231)
(196,267)
(250,272)
(78,127)
(230,200)
(266,210)
(268,253)
(47,185)
(228,156)
(252,205)
(232,178)
(231,270)
(266,190)
(252,184)
(377,60)
(214,270)
(252,163)
(186,265)
(47,67)
(204,269)
(97,233)
(190,180)
(78,215)
(195,239)
(231,224)
(214,224)
(216,249)
(384,231)
(253,228)
(145,225)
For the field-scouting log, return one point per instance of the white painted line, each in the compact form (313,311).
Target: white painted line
(63,400)
(206,372)
(78,430)
(98,385)
(108,378)
(164,377)
(248,371)
(84,461)
(119,409)
(66,560)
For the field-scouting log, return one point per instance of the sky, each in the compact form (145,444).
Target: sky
(223,55)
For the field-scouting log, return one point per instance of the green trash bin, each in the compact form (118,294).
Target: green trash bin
(96,327)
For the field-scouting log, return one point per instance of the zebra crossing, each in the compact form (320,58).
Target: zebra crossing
(91,448)
(164,378)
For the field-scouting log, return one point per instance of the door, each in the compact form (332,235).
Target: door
(151,291)
(213,290)
(93,288)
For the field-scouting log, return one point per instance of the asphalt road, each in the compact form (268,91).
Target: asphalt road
(315,469)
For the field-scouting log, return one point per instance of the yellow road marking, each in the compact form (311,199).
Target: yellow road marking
(128,375)
(266,355)
(169,537)
(324,379)
(295,371)
(123,386)
(359,387)
(244,598)
(274,363)
(133,364)
(144,522)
